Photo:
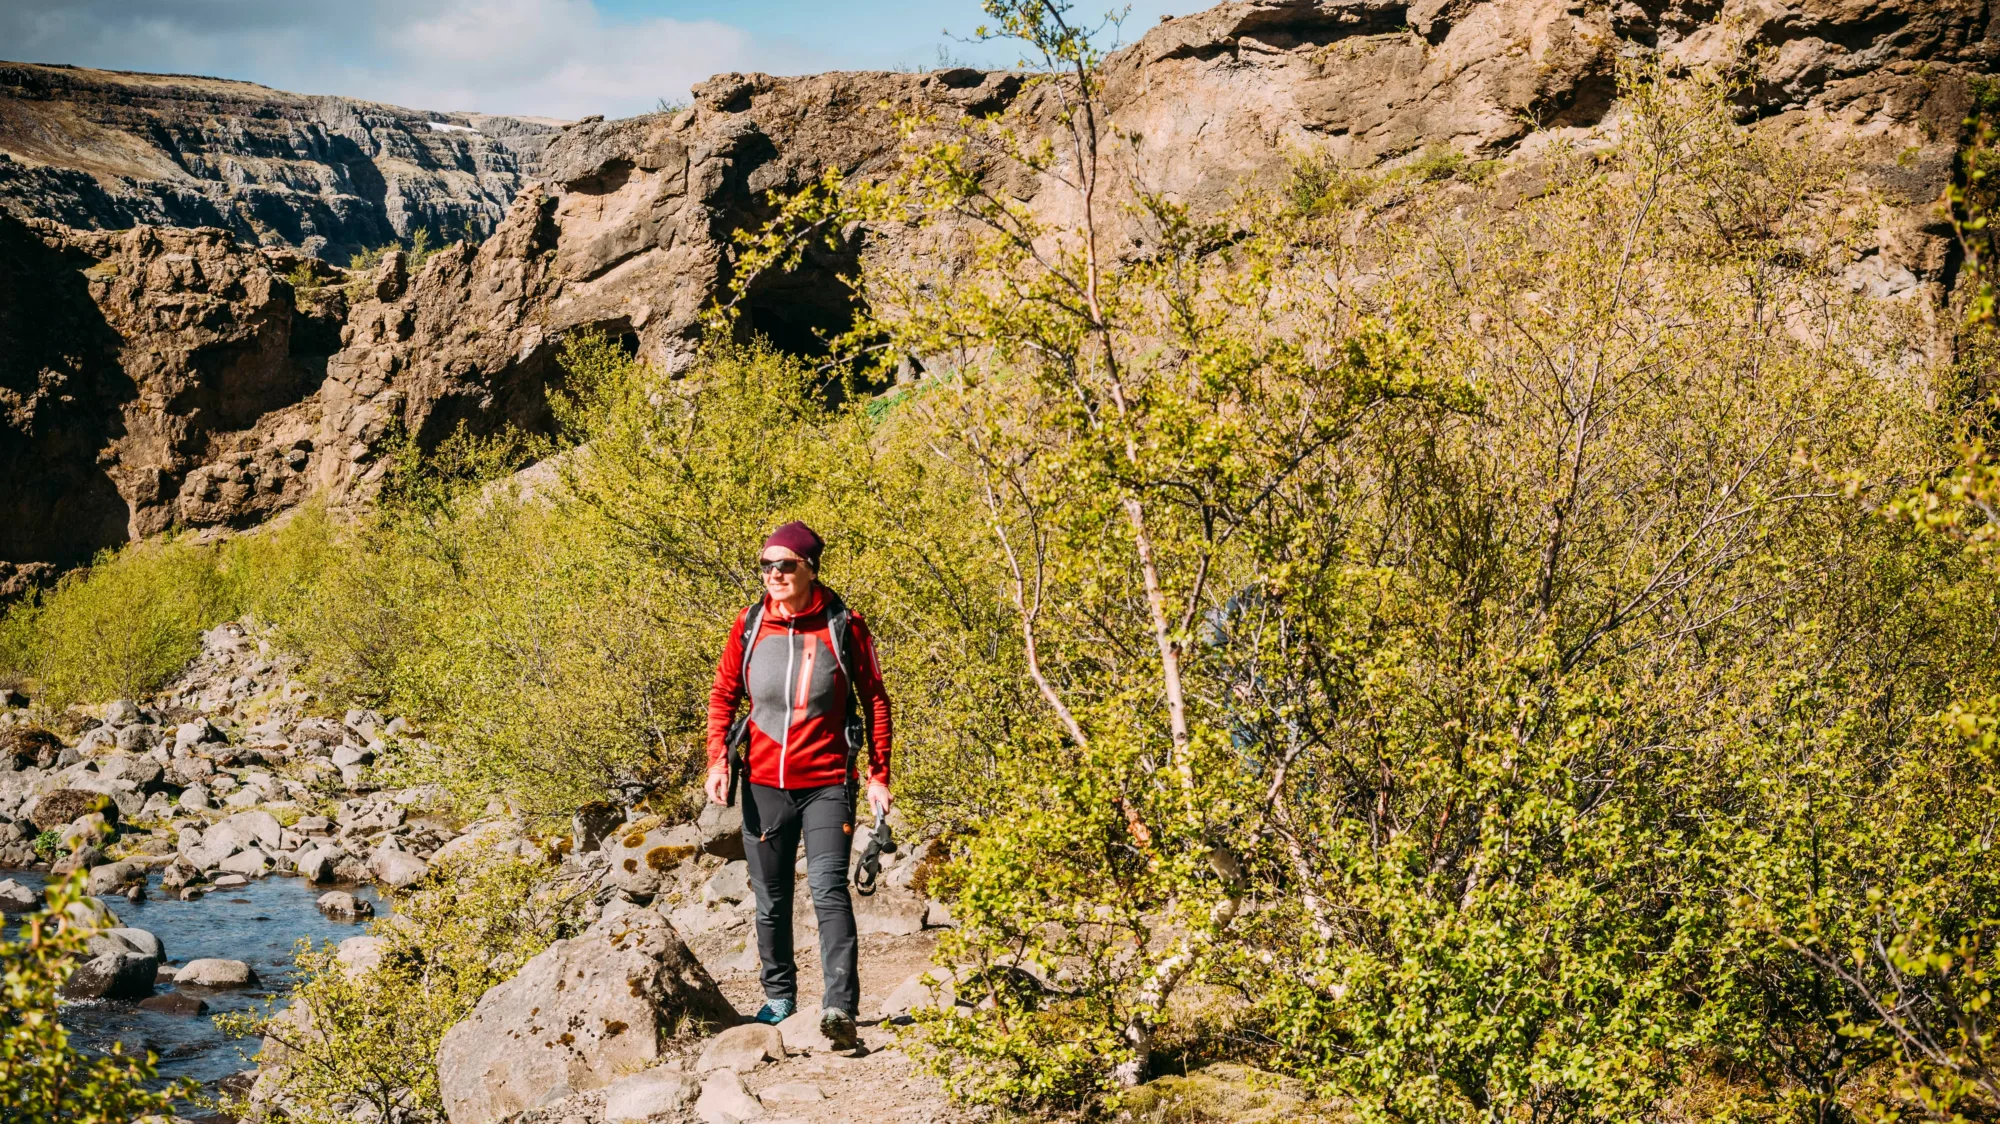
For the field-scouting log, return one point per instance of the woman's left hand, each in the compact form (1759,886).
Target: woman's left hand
(878,797)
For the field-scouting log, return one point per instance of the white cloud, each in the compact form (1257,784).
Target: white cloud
(558,58)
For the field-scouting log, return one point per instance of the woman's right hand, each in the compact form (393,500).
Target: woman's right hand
(718,786)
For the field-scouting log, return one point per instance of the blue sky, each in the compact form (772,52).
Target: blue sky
(561,58)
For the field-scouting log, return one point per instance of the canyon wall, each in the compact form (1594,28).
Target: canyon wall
(190,385)
(332,176)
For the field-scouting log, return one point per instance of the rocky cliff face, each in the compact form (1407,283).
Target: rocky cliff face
(107,150)
(188,388)
(149,377)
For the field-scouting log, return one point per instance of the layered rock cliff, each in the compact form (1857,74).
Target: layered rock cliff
(192,387)
(108,150)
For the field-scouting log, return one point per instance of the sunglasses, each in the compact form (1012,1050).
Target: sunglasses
(778,565)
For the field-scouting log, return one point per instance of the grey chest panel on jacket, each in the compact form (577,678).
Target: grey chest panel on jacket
(792,678)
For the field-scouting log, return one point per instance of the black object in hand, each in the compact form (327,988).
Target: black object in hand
(879,840)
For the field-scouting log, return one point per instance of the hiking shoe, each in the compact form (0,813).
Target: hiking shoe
(776,1011)
(838,1026)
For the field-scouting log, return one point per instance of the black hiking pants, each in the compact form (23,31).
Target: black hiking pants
(774,820)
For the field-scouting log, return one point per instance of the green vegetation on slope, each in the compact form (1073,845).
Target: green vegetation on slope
(1474,657)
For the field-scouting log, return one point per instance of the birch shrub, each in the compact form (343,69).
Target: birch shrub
(1469,642)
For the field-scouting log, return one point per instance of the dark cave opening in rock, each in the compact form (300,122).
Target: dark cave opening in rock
(801,312)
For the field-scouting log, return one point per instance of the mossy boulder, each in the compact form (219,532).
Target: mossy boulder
(642,854)
(67,805)
(1216,1093)
(29,745)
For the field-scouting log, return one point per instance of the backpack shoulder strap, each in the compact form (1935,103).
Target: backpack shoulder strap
(839,625)
(752,617)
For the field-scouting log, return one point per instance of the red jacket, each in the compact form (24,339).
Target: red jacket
(798,699)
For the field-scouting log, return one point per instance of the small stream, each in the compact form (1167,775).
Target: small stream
(258,924)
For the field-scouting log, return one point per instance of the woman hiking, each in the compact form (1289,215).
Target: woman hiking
(807,665)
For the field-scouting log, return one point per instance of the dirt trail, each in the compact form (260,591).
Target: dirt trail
(877,1085)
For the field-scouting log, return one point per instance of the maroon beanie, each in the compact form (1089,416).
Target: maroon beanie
(800,540)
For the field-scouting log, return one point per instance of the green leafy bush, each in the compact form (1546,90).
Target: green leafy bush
(43,1078)
(121,628)
(371,1037)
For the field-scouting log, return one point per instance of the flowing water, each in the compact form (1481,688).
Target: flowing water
(259,924)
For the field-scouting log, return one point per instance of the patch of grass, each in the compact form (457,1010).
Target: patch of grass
(306,284)
(1438,161)
(1317,185)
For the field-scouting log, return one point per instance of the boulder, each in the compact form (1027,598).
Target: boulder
(91,913)
(721,830)
(724,1100)
(642,856)
(743,1048)
(261,828)
(141,771)
(175,1003)
(129,801)
(730,883)
(913,993)
(65,805)
(83,858)
(801,1031)
(316,863)
(16,898)
(138,739)
(111,878)
(648,1095)
(359,955)
(397,868)
(894,912)
(251,862)
(210,852)
(593,824)
(576,1016)
(113,975)
(179,874)
(191,734)
(137,941)
(792,1092)
(343,906)
(216,974)
(346,755)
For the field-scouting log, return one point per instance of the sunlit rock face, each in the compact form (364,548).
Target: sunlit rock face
(153,378)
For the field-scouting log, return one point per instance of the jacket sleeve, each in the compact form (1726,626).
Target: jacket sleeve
(725,694)
(874,698)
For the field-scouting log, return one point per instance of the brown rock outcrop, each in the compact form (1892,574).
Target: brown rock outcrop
(155,378)
(182,384)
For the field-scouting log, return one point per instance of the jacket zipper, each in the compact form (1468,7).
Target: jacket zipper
(785,746)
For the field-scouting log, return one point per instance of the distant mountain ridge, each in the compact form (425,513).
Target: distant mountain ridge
(107,150)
